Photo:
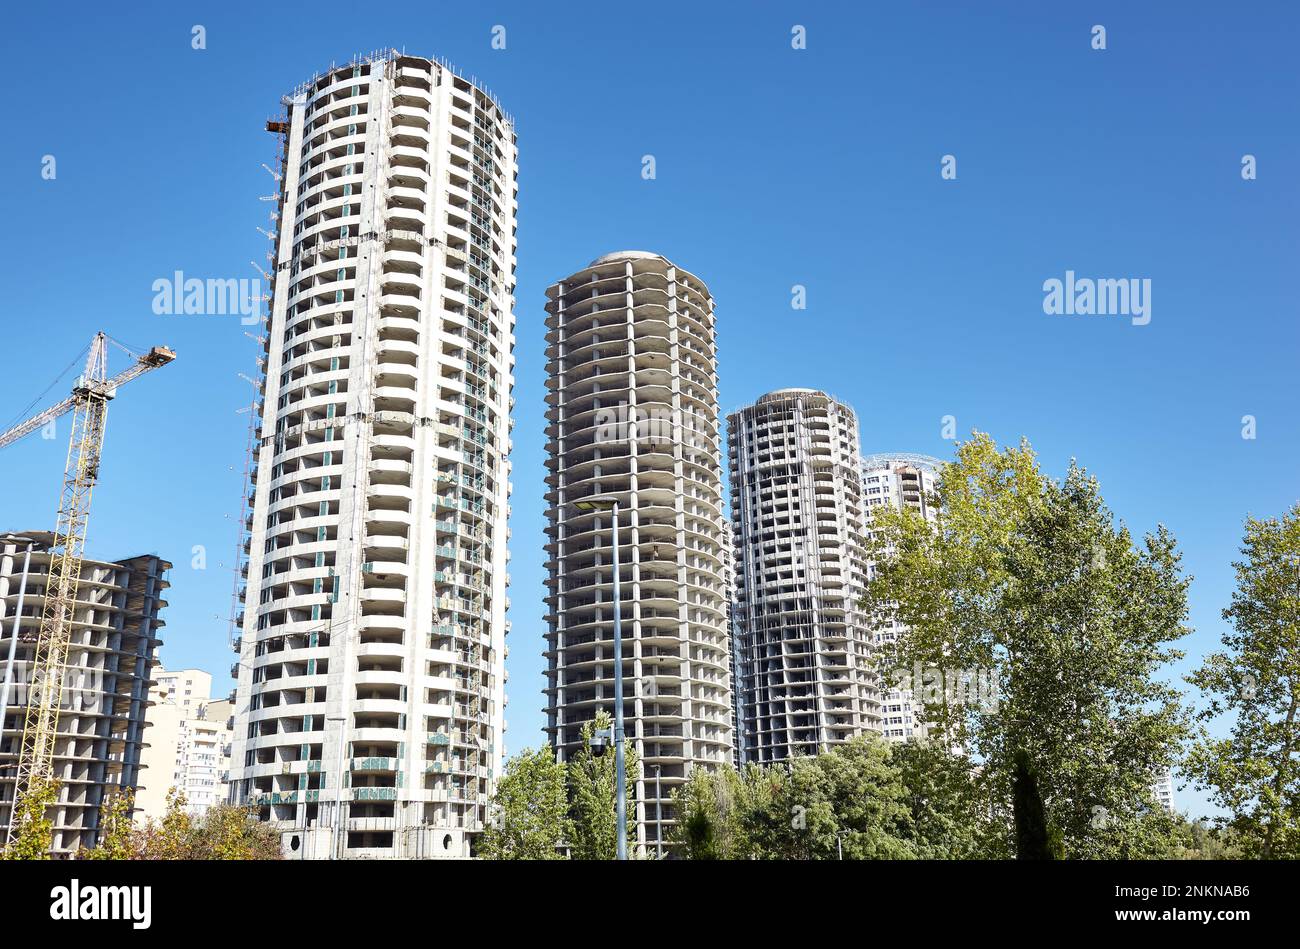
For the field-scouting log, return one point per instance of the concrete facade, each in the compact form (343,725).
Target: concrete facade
(370,704)
(101,726)
(803,646)
(1163,789)
(632,412)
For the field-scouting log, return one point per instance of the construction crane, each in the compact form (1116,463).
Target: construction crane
(89,407)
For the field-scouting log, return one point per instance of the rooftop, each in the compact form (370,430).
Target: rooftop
(624,255)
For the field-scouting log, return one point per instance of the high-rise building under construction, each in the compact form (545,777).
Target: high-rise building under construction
(372,638)
(804,672)
(105,689)
(632,412)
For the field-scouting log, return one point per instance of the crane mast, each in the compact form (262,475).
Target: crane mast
(89,407)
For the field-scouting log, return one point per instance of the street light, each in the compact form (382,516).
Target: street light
(610,503)
(659,819)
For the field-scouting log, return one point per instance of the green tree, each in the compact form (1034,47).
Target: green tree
(710,807)
(790,815)
(948,821)
(867,797)
(1048,626)
(223,832)
(530,820)
(1036,839)
(1200,840)
(591,784)
(1253,773)
(117,836)
(33,829)
(849,800)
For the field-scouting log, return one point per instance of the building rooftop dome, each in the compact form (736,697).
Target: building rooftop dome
(777,395)
(886,459)
(624,255)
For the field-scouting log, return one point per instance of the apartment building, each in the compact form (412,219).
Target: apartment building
(371,675)
(188,748)
(898,479)
(803,672)
(102,717)
(1163,789)
(632,415)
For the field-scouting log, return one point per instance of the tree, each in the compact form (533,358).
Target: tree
(1035,838)
(948,821)
(33,829)
(1253,772)
(531,820)
(1045,627)
(868,800)
(227,832)
(175,837)
(224,832)
(591,782)
(790,815)
(116,834)
(848,801)
(1200,839)
(710,808)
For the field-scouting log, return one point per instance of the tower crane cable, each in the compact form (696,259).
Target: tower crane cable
(76,360)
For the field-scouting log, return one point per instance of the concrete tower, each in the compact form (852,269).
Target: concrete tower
(797,521)
(633,413)
(369,711)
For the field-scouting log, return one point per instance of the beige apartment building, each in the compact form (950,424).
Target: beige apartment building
(187,745)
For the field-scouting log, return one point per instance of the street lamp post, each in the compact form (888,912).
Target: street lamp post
(620,775)
(659,819)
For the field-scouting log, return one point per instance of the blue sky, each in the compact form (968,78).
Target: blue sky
(775,167)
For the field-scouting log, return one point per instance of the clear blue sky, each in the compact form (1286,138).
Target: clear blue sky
(775,167)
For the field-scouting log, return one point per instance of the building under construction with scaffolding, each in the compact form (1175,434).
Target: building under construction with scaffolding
(371,631)
(113,636)
(798,521)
